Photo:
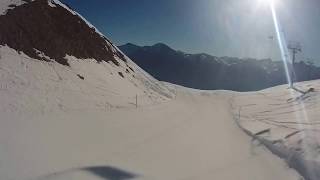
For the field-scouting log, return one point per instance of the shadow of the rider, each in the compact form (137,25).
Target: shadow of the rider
(110,173)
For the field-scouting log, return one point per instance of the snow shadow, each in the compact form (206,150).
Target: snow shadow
(110,173)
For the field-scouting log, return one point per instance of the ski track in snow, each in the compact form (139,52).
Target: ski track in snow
(291,120)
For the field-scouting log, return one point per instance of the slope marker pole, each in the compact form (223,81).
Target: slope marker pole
(136,101)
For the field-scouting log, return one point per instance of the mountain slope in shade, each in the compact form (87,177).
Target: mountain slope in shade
(203,71)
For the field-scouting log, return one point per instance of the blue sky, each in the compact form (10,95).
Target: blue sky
(237,28)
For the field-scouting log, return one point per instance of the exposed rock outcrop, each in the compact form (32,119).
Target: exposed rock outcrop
(45,26)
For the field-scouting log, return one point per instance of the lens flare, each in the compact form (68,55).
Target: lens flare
(300,112)
(282,43)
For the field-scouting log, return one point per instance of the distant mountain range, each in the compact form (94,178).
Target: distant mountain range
(203,71)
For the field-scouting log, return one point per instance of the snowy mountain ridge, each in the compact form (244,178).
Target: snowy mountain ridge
(204,71)
(87,61)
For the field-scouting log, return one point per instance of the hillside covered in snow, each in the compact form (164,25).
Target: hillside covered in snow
(87,62)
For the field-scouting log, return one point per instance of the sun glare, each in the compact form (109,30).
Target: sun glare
(267,2)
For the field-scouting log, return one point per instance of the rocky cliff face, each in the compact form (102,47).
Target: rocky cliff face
(45,26)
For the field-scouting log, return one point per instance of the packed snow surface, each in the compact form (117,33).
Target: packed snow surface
(57,126)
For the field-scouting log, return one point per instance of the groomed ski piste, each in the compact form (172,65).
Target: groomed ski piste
(60,129)
(86,121)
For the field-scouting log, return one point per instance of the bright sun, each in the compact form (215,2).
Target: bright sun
(267,2)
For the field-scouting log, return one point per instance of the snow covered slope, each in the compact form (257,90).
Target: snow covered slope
(37,87)
(287,121)
(91,69)
(56,72)
(190,137)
